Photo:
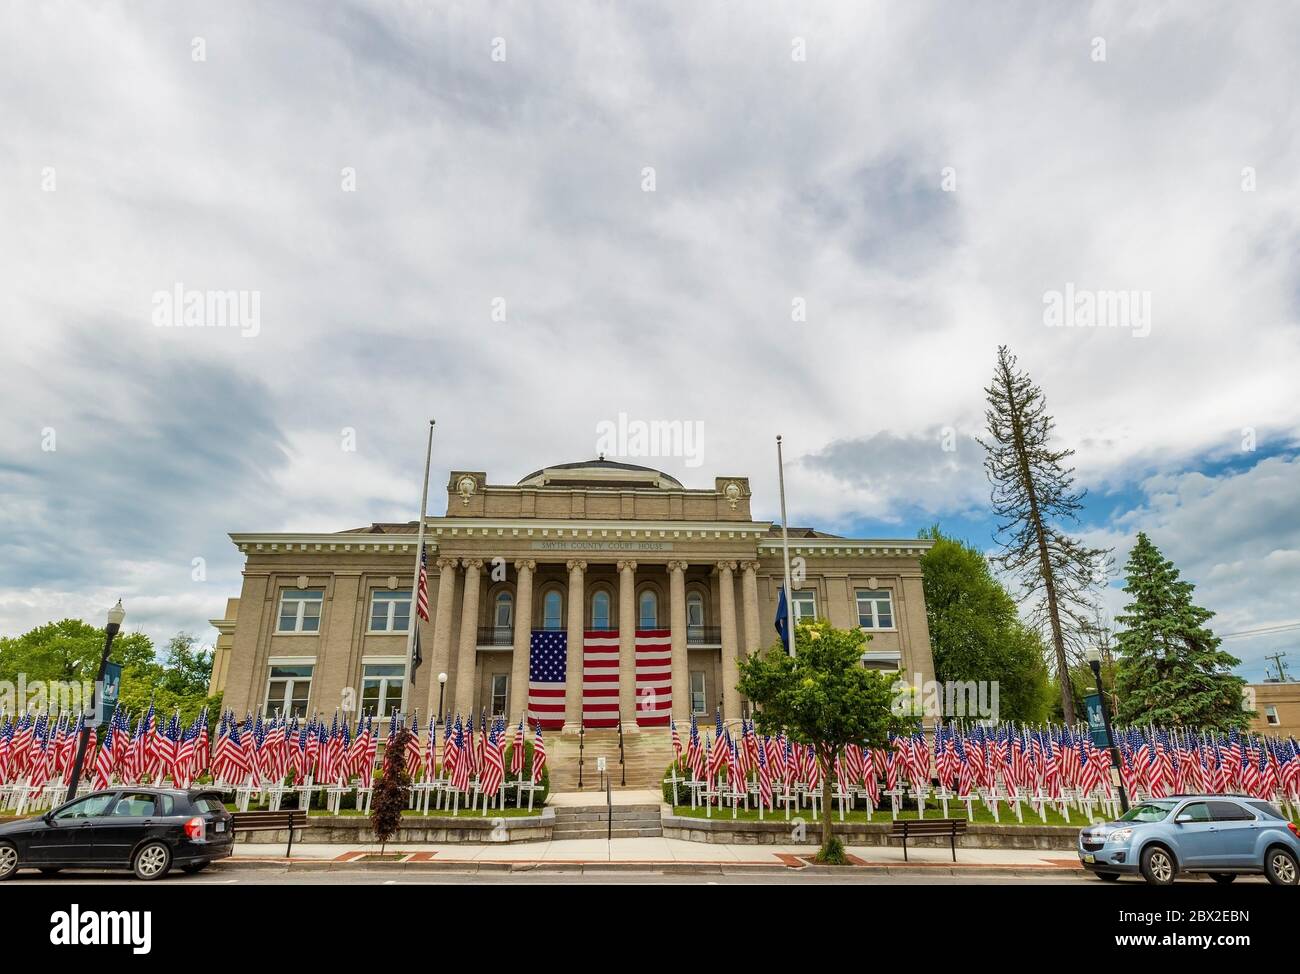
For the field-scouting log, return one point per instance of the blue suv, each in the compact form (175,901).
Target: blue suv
(1222,835)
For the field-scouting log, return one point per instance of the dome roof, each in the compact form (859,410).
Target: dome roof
(600,473)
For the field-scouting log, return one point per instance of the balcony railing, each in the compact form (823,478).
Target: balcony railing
(703,635)
(496,635)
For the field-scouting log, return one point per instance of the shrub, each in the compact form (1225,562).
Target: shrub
(539,797)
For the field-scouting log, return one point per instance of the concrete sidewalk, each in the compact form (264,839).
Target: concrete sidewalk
(650,853)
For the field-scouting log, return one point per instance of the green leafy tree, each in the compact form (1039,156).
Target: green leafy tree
(824,697)
(1171,670)
(1033,496)
(976,632)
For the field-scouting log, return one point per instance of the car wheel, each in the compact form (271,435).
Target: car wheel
(194,867)
(8,860)
(1158,866)
(1223,879)
(1108,877)
(152,860)
(1280,867)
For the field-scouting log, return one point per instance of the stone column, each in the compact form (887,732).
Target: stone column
(467,655)
(627,642)
(440,654)
(677,620)
(577,626)
(523,638)
(749,601)
(730,671)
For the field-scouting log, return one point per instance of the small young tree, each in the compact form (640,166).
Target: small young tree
(823,697)
(1171,670)
(390,791)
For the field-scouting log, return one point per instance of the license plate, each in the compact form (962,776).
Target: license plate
(220,827)
(1089,857)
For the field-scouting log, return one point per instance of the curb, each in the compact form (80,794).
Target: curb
(658,867)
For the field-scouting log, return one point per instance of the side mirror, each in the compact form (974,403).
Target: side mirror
(1183,818)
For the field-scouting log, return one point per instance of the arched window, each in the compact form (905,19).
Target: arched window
(649,618)
(600,610)
(694,609)
(552,610)
(504,614)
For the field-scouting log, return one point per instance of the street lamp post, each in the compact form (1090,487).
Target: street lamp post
(1094,661)
(115,617)
(442,686)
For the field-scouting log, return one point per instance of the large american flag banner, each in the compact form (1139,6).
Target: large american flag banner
(600,678)
(654,677)
(547,659)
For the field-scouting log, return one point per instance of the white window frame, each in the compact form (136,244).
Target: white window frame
(508,601)
(394,599)
(803,594)
(492,694)
(640,609)
(386,682)
(693,600)
(282,705)
(299,596)
(546,598)
(609,608)
(871,596)
(1270,715)
(704,699)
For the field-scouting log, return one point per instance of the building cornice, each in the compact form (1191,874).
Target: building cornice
(849,547)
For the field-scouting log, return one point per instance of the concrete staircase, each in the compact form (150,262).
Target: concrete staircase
(592,822)
(647,753)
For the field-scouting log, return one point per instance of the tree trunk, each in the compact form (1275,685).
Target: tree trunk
(1044,562)
(827,757)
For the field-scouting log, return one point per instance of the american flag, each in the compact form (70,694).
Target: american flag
(539,753)
(654,677)
(413,749)
(517,752)
(493,771)
(422,587)
(599,678)
(677,742)
(548,651)
(460,773)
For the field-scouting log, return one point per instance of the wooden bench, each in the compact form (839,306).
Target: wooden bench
(270,822)
(951,827)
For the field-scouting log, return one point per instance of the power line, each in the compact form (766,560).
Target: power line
(1263,630)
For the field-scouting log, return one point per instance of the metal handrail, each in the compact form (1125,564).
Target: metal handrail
(581,734)
(622,767)
(609,809)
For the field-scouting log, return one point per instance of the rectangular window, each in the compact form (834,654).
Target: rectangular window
(381,688)
(288,690)
(875,609)
(805,605)
(1270,714)
(697,692)
(500,692)
(300,610)
(390,611)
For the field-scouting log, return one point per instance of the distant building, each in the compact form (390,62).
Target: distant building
(1277,708)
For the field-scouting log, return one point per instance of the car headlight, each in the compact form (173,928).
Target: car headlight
(1120,836)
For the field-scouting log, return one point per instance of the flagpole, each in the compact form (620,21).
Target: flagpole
(785,552)
(415,579)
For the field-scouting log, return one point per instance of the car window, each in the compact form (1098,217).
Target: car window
(1147,812)
(209,803)
(1229,812)
(91,806)
(135,806)
(1267,809)
(1195,812)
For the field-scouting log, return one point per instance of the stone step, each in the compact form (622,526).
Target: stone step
(617,833)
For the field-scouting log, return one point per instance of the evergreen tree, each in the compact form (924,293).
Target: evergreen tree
(1033,493)
(1171,670)
(976,633)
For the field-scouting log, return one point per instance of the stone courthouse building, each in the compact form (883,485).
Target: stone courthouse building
(587,592)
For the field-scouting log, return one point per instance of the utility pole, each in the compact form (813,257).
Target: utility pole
(1277,658)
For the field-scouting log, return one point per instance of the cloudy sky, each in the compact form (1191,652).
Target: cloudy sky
(525,219)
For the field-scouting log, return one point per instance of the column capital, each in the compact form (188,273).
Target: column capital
(726,566)
(677,566)
(525,564)
(627,566)
(749,566)
(575,565)
(472,564)
(447,564)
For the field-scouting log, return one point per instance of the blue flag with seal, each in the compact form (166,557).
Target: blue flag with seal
(782,617)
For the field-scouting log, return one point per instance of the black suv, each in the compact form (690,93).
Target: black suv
(146,830)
